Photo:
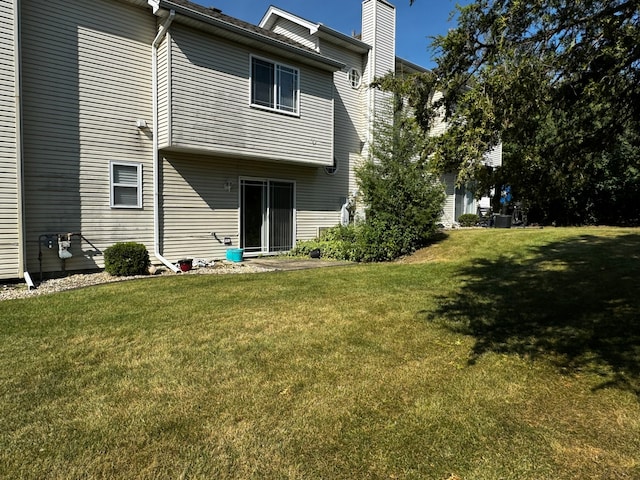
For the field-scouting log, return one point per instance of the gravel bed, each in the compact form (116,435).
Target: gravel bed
(79,280)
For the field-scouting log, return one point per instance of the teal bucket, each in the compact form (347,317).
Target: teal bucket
(235,254)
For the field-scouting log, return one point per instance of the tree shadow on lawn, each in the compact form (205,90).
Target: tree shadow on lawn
(574,302)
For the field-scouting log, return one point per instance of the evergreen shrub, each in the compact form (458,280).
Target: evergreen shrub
(468,220)
(126,258)
(338,243)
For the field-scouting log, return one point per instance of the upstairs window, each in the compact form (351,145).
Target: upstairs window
(126,185)
(274,86)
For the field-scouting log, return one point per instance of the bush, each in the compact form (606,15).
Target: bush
(383,241)
(373,241)
(126,258)
(339,243)
(468,220)
(402,198)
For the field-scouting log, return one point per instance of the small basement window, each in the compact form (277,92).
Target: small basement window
(126,185)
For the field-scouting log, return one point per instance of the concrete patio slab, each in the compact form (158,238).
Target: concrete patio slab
(293,263)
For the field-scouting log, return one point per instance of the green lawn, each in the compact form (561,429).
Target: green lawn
(492,354)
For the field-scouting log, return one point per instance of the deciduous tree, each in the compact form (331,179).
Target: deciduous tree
(558,81)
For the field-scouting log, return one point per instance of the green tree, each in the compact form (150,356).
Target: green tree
(403,199)
(558,82)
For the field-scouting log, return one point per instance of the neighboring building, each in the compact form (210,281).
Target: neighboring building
(463,200)
(174,125)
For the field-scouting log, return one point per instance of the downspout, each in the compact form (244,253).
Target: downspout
(156,155)
(22,244)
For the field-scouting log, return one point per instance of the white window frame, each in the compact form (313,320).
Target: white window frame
(266,250)
(277,104)
(113,185)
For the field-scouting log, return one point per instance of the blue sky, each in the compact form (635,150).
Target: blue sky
(413,24)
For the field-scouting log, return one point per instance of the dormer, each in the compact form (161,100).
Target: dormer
(289,25)
(310,34)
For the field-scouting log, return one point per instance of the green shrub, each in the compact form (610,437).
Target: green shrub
(382,241)
(337,242)
(126,258)
(468,220)
(402,198)
(373,241)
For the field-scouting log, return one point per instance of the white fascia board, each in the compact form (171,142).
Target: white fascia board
(343,40)
(412,67)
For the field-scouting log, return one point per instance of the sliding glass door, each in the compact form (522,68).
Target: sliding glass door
(266,215)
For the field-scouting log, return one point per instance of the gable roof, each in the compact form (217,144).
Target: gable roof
(213,19)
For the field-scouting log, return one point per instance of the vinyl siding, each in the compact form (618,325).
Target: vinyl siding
(349,133)
(448,211)
(210,105)
(9,213)
(494,157)
(196,205)
(439,123)
(462,197)
(378,30)
(350,111)
(86,79)
(164,92)
(295,32)
(368,26)
(368,21)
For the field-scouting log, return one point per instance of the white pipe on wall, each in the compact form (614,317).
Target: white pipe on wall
(22,243)
(156,155)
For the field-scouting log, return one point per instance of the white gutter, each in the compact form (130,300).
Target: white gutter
(156,155)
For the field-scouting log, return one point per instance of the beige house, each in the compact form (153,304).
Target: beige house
(174,125)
